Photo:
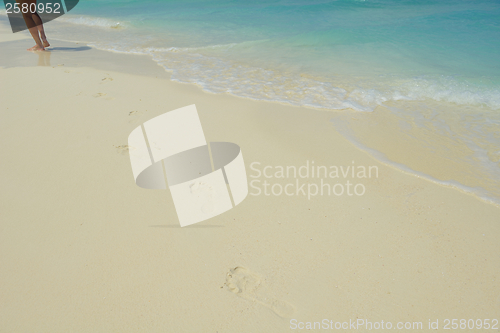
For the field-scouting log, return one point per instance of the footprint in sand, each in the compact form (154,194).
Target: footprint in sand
(248,285)
(106,79)
(123,149)
(135,115)
(102,95)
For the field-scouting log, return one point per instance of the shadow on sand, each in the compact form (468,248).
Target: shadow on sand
(72,49)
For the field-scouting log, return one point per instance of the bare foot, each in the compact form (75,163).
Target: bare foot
(36,48)
(45,43)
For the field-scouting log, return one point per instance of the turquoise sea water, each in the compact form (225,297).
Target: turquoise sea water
(326,54)
(334,55)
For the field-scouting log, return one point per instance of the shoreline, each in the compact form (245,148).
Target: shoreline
(478,193)
(144,64)
(85,249)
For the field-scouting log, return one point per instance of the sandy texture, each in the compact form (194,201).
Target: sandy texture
(83,249)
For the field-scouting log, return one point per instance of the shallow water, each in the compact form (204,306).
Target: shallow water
(433,65)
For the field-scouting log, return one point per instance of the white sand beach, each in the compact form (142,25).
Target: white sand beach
(84,249)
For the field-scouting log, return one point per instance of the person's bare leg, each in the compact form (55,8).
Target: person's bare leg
(39,25)
(39,45)
(32,27)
